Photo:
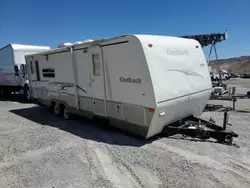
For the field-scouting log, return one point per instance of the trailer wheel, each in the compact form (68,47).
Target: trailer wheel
(51,105)
(57,110)
(66,114)
(27,94)
(229,139)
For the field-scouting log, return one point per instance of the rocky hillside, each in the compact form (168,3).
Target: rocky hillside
(234,65)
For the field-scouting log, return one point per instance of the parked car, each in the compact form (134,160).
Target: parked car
(245,76)
(233,76)
(216,76)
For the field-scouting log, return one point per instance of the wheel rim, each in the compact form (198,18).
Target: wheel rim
(229,139)
(56,110)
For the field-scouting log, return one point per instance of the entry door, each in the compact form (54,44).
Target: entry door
(97,80)
(23,74)
(31,70)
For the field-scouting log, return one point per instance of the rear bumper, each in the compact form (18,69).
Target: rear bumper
(171,110)
(11,87)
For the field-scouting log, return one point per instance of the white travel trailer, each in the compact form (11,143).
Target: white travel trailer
(140,83)
(13,74)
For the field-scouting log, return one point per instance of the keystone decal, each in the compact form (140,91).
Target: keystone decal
(130,80)
(64,86)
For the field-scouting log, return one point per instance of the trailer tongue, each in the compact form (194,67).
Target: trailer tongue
(202,129)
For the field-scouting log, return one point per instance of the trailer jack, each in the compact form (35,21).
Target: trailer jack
(199,128)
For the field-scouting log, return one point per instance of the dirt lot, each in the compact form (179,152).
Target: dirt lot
(38,149)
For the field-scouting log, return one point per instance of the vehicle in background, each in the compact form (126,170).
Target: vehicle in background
(239,75)
(245,76)
(233,76)
(139,83)
(13,74)
(216,76)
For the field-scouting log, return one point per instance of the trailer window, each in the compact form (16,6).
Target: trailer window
(31,67)
(50,73)
(96,64)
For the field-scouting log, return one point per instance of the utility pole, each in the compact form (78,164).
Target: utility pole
(218,64)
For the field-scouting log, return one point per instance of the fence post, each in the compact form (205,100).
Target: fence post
(233,90)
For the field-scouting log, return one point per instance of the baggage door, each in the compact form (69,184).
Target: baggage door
(97,80)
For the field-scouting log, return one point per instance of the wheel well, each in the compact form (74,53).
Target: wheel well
(26,86)
(62,106)
(53,103)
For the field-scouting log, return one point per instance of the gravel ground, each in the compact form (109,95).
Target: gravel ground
(38,149)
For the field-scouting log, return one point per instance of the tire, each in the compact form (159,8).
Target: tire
(57,110)
(66,114)
(27,94)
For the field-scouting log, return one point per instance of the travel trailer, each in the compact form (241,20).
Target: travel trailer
(13,74)
(140,83)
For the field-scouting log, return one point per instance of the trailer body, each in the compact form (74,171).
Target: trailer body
(13,74)
(140,83)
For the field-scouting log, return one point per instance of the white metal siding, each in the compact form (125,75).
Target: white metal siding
(19,56)
(84,69)
(126,60)
(7,73)
(177,66)
(6,60)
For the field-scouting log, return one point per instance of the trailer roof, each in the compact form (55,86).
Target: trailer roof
(26,47)
(100,41)
(84,44)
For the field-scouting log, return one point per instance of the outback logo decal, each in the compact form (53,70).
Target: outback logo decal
(177,52)
(130,80)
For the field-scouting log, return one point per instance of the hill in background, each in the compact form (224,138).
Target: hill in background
(234,65)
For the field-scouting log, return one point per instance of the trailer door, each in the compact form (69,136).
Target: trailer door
(30,70)
(98,80)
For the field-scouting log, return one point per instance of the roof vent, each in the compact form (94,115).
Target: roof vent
(87,41)
(64,45)
(78,42)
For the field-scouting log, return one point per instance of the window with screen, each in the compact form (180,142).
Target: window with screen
(49,73)
(96,64)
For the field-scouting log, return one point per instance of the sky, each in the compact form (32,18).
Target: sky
(52,22)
